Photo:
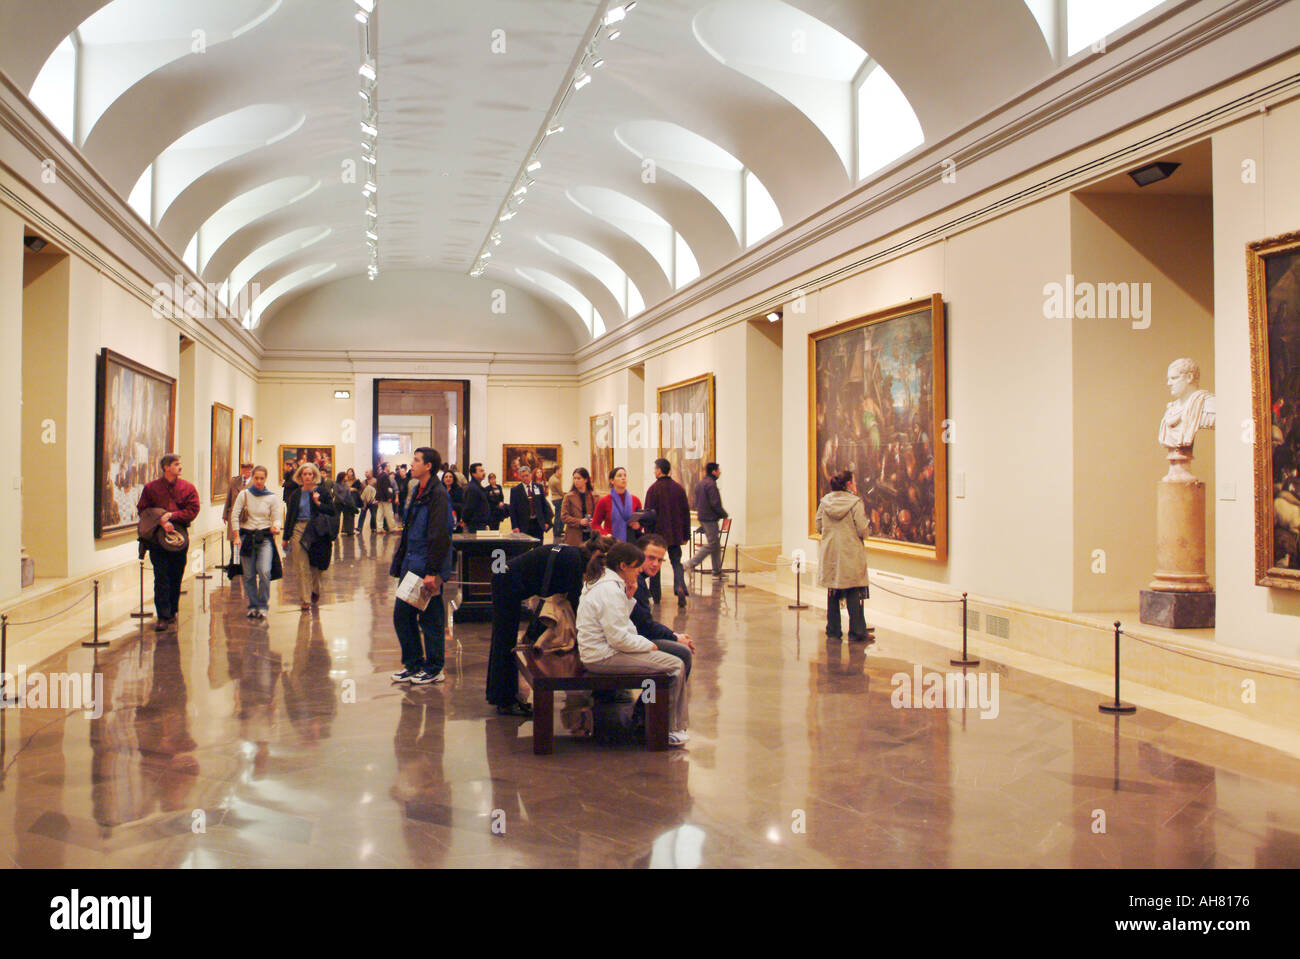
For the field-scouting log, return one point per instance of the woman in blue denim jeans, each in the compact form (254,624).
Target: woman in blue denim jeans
(255,521)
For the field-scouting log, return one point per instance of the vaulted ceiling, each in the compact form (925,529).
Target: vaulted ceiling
(235,127)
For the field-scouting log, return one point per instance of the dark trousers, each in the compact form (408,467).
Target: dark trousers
(168,569)
(349,518)
(853,600)
(370,511)
(410,623)
(502,672)
(679,575)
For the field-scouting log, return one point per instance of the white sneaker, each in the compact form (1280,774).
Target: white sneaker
(425,678)
(679,738)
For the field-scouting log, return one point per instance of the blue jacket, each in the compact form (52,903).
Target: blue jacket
(425,548)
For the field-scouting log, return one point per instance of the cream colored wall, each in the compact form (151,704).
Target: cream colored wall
(45,400)
(307,414)
(765,448)
(521,412)
(11,380)
(1119,381)
(1249,616)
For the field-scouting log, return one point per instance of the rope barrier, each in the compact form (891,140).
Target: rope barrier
(32,622)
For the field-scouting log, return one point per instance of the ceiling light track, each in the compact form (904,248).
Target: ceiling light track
(366,14)
(607,25)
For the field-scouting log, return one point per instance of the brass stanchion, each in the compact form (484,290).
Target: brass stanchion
(1117,706)
(736,583)
(966,658)
(6,698)
(94,640)
(204,574)
(140,613)
(798,601)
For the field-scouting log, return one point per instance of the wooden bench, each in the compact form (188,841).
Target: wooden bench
(548,672)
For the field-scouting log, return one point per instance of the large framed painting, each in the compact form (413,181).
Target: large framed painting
(222,444)
(291,457)
(602,451)
(246,452)
(135,422)
(876,388)
(516,456)
(1273,276)
(686,437)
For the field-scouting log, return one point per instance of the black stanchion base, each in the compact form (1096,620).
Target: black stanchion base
(1118,708)
(95,643)
(141,615)
(797,606)
(203,576)
(964,662)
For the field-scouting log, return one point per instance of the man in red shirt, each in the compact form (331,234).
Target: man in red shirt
(180,500)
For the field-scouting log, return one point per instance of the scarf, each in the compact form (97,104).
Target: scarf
(258,492)
(620,512)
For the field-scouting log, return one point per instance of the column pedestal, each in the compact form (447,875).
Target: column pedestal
(1180,596)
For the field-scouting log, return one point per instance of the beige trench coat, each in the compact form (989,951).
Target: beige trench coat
(842,522)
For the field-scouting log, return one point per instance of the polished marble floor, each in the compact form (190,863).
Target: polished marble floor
(231,743)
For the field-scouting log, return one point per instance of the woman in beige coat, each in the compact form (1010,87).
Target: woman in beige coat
(842,562)
(579,504)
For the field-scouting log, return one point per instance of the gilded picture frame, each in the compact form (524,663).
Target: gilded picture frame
(877,404)
(602,453)
(549,456)
(246,440)
(689,403)
(221,451)
(135,424)
(321,456)
(1273,287)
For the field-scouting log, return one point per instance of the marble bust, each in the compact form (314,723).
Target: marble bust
(1190,410)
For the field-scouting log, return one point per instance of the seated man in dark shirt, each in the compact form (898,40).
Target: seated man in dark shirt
(677,644)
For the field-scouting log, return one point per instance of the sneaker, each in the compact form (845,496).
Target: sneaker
(679,738)
(426,678)
(405,675)
(251,614)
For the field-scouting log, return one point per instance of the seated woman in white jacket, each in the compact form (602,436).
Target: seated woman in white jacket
(607,640)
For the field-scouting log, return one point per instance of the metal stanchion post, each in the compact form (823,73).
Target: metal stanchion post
(966,659)
(736,583)
(6,698)
(140,613)
(94,636)
(798,602)
(1117,706)
(204,574)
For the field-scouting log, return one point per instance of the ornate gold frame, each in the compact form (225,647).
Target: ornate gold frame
(934,302)
(599,484)
(219,486)
(1266,574)
(711,451)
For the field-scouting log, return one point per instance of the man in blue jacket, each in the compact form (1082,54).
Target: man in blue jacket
(425,549)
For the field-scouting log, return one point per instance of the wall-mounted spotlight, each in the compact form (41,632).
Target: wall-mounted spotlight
(1152,173)
(774,316)
(342,395)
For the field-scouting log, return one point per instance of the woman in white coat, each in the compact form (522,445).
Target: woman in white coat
(607,640)
(842,562)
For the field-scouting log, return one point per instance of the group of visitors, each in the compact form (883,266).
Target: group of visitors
(609,580)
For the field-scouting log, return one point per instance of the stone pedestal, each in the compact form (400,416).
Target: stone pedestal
(1176,610)
(1180,596)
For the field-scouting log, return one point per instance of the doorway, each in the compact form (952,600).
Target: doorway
(409,414)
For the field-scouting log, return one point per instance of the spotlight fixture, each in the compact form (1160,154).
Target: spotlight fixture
(496,239)
(551,131)
(616,14)
(362,17)
(369,159)
(367,70)
(370,188)
(1152,173)
(369,129)
(367,5)
(774,316)
(598,64)
(364,94)
(521,191)
(533,167)
(342,395)
(34,244)
(372,213)
(614,34)
(508,215)
(581,80)
(372,235)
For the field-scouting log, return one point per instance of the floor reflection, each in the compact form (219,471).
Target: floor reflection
(242,743)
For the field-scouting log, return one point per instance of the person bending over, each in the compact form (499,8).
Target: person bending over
(607,640)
